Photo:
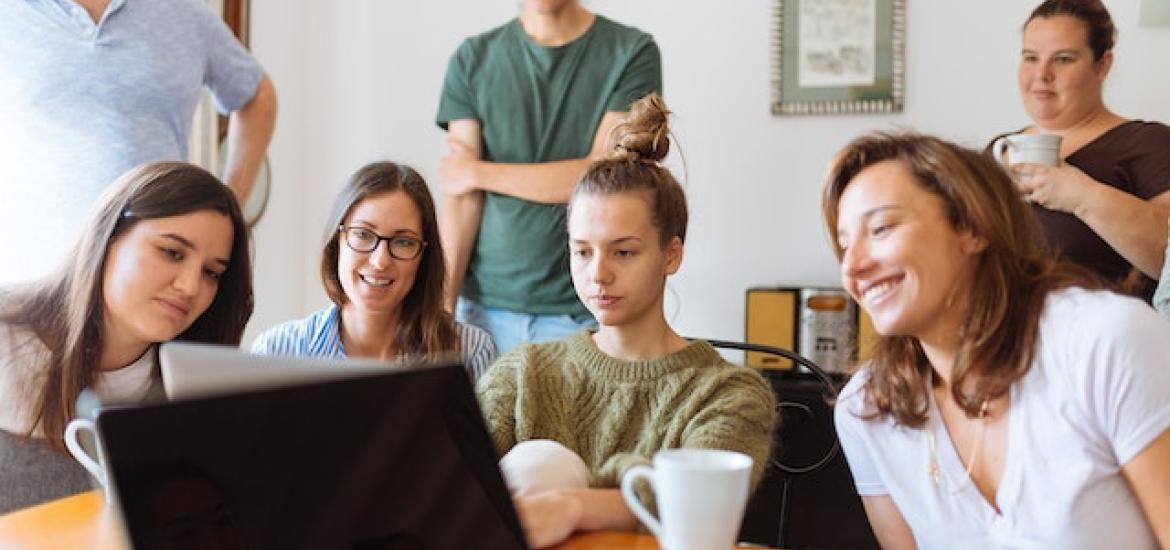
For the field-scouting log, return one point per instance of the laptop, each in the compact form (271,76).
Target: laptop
(394,459)
(191,370)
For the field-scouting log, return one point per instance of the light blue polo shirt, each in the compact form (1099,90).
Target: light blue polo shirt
(81,103)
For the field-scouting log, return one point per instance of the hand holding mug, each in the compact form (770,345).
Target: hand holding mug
(1043,149)
(1064,188)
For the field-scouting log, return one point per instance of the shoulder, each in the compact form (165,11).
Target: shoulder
(851,400)
(727,372)
(174,14)
(1142,129)
(624,44)
(474,339)
(24,363)
(196,8)
(620,33)
(1081,311)
(20,348)
(534,359)
(299,336)
(471,335)
(1093,328)
(525,369)
(710,377)
(474,47)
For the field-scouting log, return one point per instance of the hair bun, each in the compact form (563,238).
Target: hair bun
(645,134)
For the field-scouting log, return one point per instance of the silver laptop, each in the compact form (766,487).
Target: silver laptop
(202,370)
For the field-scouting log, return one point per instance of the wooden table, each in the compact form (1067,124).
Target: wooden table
(83,521)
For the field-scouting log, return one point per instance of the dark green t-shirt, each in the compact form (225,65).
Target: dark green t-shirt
(538,104)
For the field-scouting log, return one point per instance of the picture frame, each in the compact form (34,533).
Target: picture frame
(838,56)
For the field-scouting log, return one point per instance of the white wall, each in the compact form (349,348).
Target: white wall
(359,80)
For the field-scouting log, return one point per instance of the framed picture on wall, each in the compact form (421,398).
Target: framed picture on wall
(838,56)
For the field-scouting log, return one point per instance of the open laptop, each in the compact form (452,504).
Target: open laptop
(203,370)
(398,459)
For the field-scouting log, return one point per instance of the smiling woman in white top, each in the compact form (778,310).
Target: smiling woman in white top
(382,266)
(163,257)
(1007,402)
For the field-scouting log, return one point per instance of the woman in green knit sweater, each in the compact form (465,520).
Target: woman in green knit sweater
(573,415)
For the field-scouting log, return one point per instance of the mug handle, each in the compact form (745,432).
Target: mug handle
(632,501)
(72,443)
(999,149)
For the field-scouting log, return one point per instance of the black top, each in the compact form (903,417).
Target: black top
(1133,157)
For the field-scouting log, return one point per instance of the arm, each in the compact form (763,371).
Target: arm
(478,349)
(545,182)
(1162,294)
(740,416)
(551,516)
(888,525)
(497,392)
(249,132)
(1149,478)
(461,213)
(1134,227)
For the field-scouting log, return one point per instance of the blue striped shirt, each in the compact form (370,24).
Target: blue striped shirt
(319,335)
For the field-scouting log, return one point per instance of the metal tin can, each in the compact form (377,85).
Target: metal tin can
(827,332)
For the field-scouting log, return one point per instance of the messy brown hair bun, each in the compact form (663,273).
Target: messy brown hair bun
(644,135)
(640,143)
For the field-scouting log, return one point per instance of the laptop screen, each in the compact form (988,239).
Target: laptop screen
(400,460)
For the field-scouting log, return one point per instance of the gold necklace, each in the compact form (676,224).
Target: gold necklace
(936,473)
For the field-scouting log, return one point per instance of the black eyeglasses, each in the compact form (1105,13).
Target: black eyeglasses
(401,247)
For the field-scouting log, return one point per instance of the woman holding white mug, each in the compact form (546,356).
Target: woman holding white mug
(163,257)
(1105,206)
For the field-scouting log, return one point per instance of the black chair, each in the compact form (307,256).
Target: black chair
(806,499)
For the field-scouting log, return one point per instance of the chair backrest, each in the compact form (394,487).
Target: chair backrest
(806,499)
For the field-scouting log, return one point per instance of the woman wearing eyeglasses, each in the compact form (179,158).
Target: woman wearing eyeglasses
(382,266)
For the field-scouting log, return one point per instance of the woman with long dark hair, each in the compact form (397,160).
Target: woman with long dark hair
(382,267)
(164,256)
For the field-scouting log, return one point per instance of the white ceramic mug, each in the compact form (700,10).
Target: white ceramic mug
(95,466)
(701,494)
(1031,148)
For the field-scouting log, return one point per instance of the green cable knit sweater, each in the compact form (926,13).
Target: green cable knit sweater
(616,414)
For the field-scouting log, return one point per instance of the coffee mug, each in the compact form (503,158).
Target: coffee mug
(95,466)
(701,494)
(1031,148)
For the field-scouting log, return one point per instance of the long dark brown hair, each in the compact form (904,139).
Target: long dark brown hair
(424,327)
(1013,274)
(634,166)
(64,310)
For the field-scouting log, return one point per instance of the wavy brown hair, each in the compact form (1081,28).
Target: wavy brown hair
(634,166)
(424,327)
(64,310)
(1013,275)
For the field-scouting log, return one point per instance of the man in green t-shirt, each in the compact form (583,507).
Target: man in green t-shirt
(527,106)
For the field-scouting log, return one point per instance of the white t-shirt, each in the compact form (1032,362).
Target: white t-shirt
(1097,393)
(23,362)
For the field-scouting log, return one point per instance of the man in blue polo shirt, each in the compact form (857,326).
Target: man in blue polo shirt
(92,88)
